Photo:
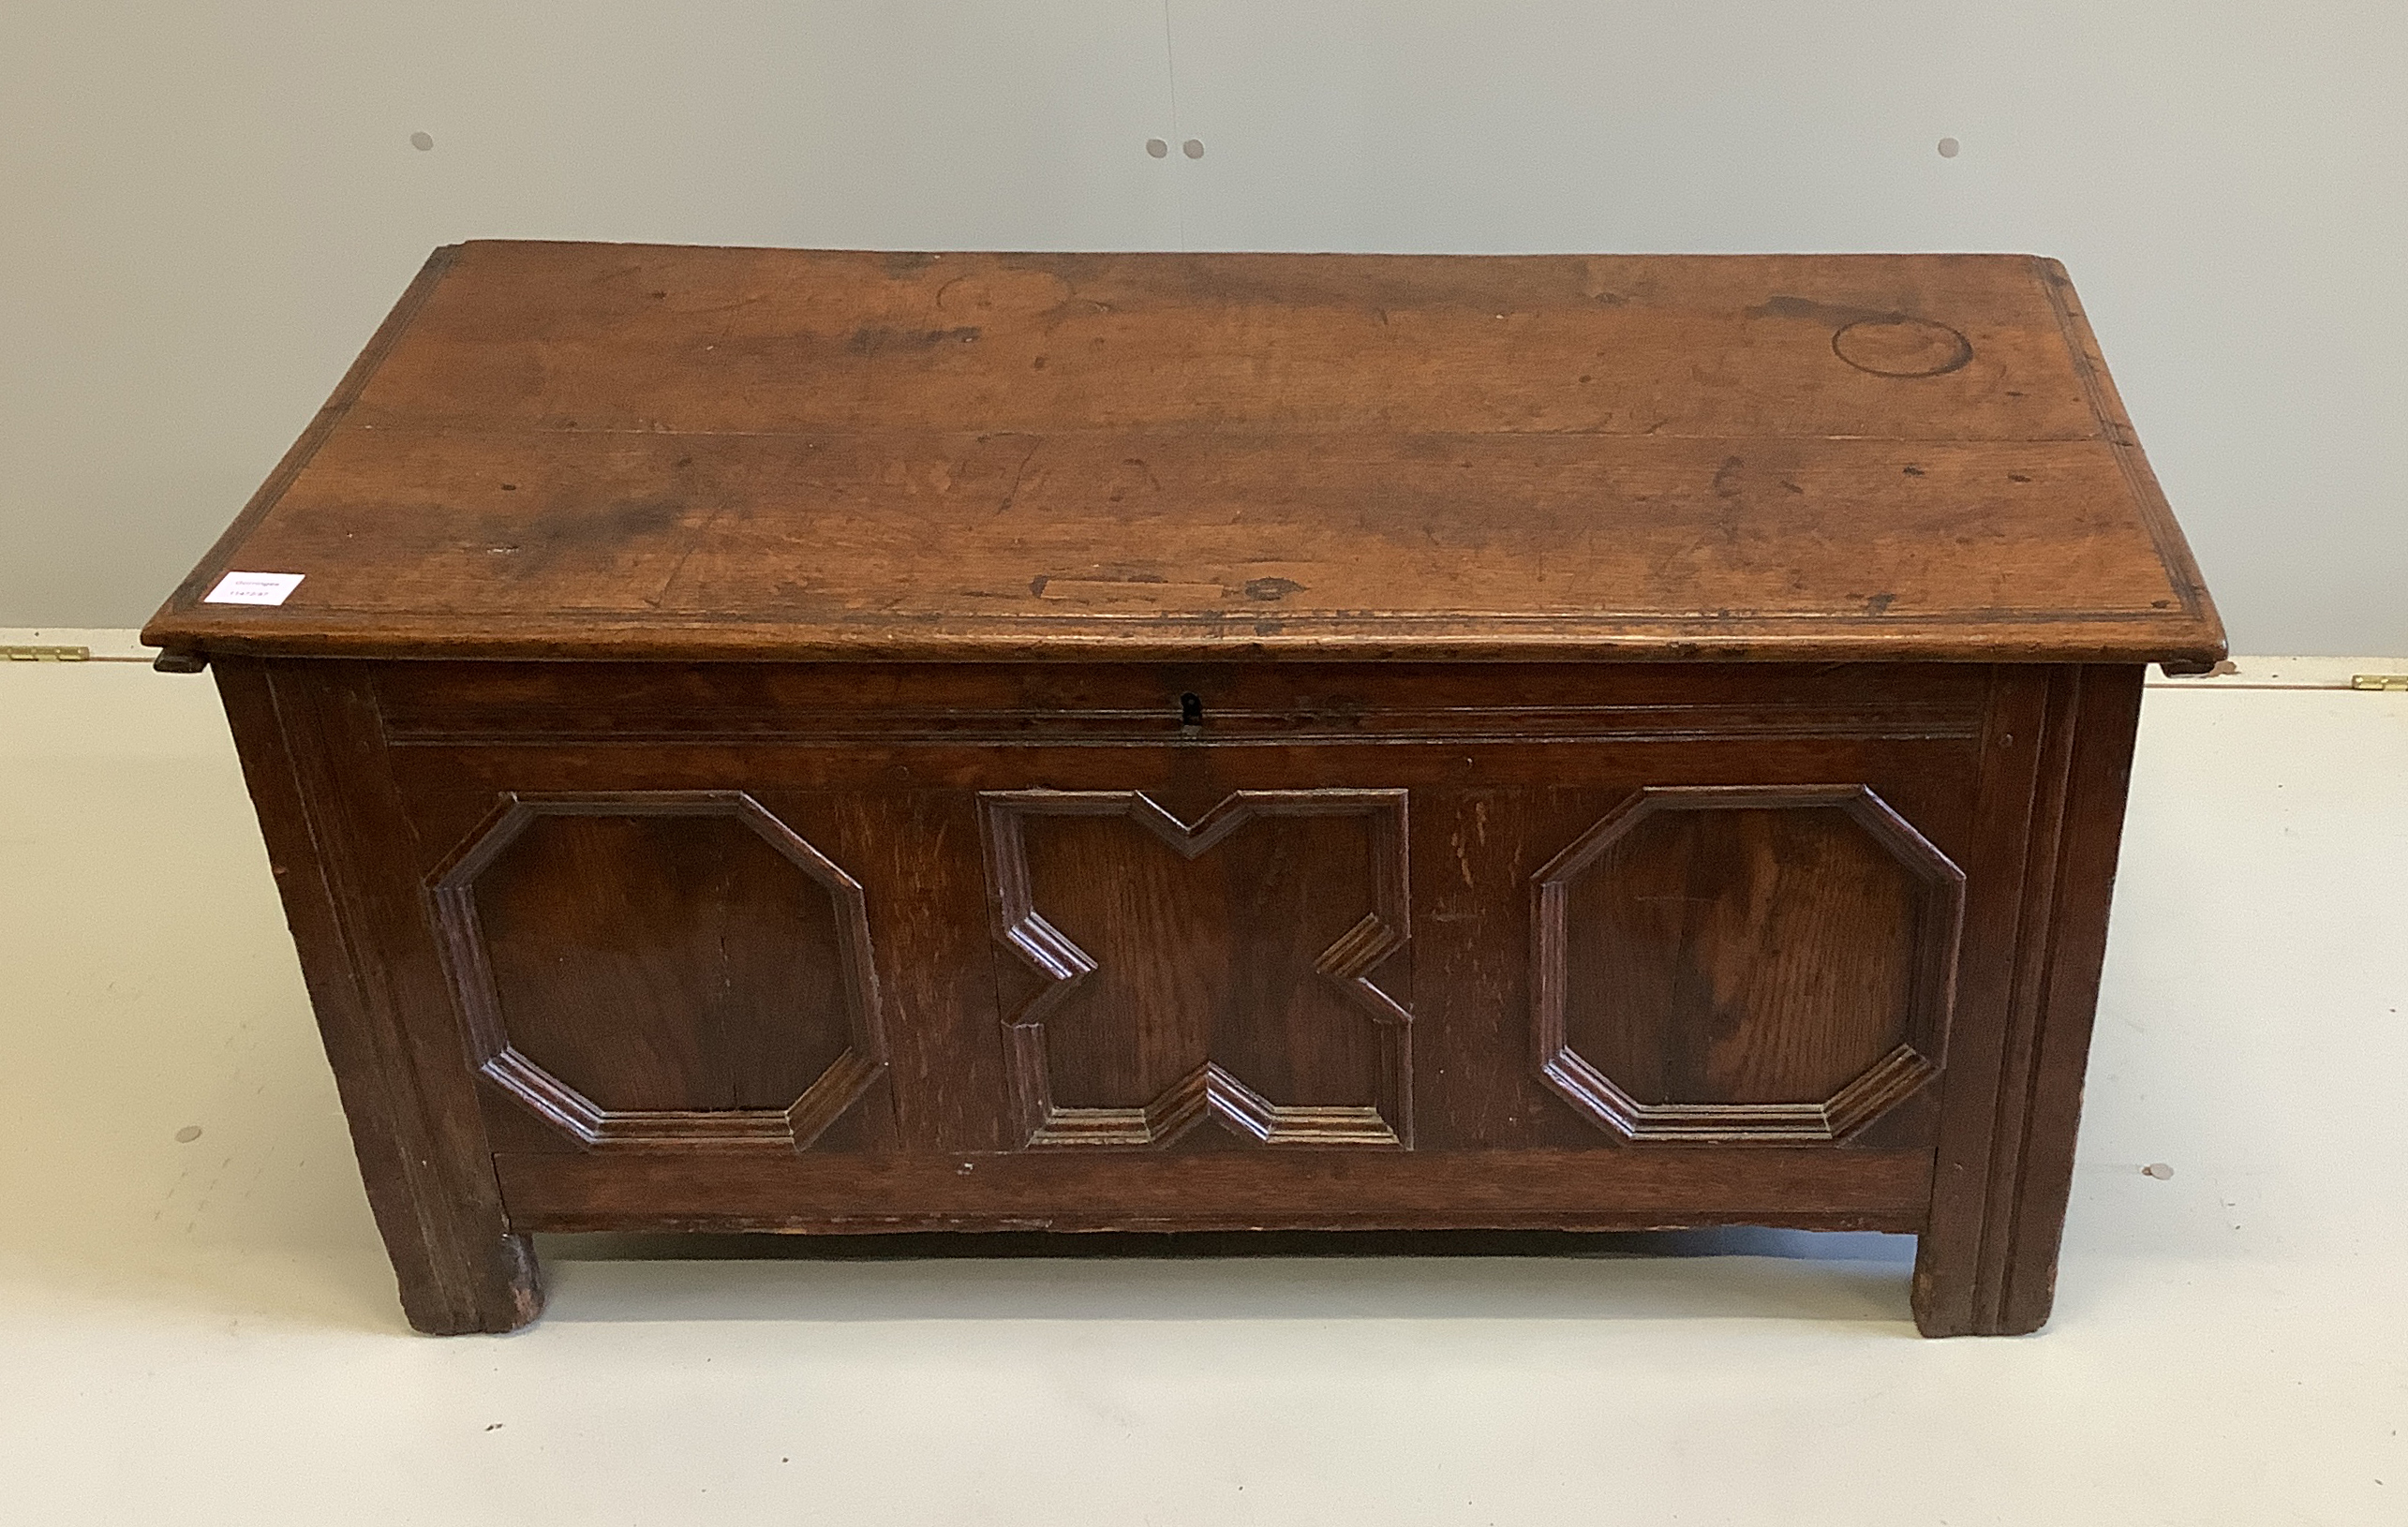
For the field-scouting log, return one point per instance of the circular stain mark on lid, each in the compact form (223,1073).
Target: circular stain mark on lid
(1898,346)
(188,1135)
(421,141)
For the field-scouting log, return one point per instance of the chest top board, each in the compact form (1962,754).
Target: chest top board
(631,452)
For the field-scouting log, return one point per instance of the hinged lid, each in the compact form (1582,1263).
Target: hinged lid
(607,450)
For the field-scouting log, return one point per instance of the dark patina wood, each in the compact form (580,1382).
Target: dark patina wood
(804,741)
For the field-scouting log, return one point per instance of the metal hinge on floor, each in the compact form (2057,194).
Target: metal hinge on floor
(2379,681)
(46,654)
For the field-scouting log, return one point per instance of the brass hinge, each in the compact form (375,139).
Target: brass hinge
(2379,681)
(46,654)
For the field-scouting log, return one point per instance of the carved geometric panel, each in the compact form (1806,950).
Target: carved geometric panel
(662,967)
(1217,971)
(1745,963)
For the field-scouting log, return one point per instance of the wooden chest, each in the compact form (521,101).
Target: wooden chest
(814,741)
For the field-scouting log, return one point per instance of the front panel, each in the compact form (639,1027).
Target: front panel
(820,947)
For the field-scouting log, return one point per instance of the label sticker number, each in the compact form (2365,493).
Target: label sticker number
(253,588)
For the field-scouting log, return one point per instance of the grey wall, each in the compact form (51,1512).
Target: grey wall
(205,208)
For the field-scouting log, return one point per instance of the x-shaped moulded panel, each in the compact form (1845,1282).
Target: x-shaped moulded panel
(1207,1090)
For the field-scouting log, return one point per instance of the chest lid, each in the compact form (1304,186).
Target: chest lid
(615,450)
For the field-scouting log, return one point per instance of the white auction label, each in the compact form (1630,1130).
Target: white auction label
(253,588)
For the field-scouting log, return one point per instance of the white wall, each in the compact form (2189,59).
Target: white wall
(205,208)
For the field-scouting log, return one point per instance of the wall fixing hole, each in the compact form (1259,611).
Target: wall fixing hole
(421,141)
(188,1135)
(1949,148)
(2159,1170)
(1193,148)
(1156,147)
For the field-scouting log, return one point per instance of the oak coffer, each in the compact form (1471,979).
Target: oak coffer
(812,741)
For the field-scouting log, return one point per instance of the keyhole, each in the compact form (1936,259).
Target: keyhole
(1191,710)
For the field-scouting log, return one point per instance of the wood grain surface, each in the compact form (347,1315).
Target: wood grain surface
(719,964)
(561,449)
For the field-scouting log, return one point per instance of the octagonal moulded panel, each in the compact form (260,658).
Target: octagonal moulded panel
(662,967)
(1745,963)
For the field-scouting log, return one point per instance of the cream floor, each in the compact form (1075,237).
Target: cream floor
(202,1331)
